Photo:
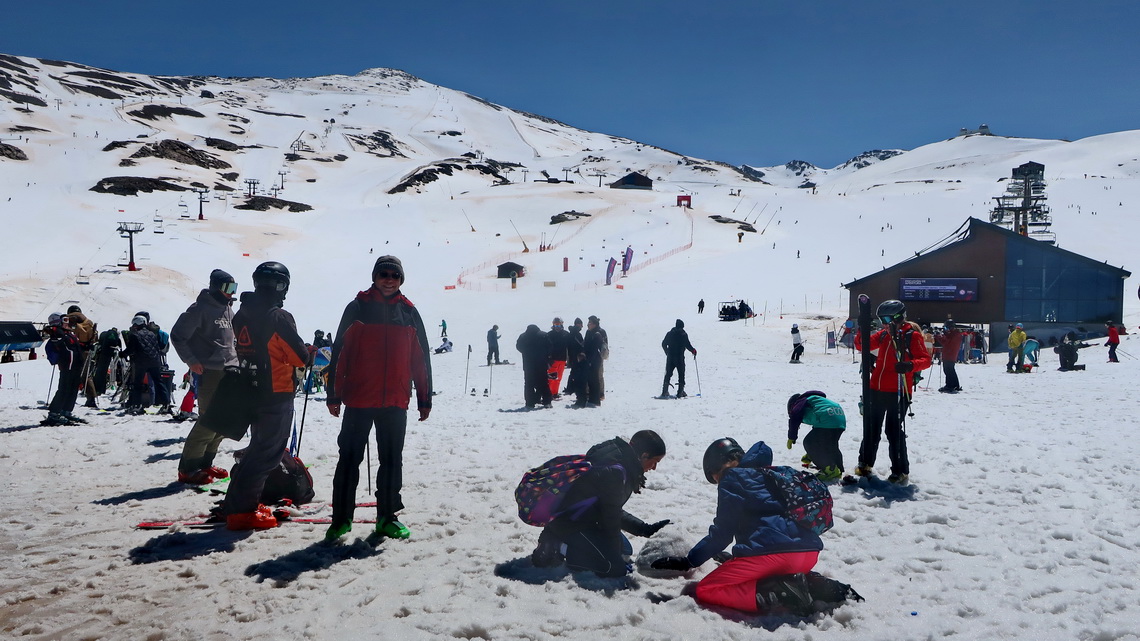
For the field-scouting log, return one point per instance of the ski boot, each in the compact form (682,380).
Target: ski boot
(899,479)
(787,592)
(681,392)
(75,420)
(864,470)
(337,530)
(392,528)
(829,474)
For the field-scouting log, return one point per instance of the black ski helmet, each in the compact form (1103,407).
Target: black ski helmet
(271,275)
(891,311)
(722,450)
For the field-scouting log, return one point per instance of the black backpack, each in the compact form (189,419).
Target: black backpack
(289,480)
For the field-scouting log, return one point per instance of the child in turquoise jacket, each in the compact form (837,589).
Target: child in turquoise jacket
(822,443)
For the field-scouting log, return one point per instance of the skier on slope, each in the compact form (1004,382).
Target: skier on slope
(674,344)
(797,343)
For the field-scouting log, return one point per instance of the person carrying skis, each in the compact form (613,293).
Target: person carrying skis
(381,349)
(493,344)
(64,351)
(203,337)
(587,533)
(674,344)
(268,344)
(772,555)
(822,443)
(901,351)
(797,343)
(1113,341)
(951,342)
(535,349)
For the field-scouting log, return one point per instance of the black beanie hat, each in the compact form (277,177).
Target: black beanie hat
(680,324)
(218,278)
(390,263)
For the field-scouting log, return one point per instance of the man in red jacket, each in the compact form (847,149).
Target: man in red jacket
(951,341)
(381,348)
(900,351)
(1113,341)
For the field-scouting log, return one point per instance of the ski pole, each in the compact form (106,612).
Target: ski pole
(467,369)
(697,369)
(304,408)
(490,377)
(368,457)
(50,382)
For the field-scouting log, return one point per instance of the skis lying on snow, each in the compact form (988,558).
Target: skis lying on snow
(284,515)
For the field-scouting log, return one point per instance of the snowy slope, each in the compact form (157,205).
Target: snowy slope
(1020,522)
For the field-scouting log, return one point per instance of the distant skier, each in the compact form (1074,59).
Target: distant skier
(1113,341)
(797,343)
(493,344)
(674,344)
(443,329)
(701,306)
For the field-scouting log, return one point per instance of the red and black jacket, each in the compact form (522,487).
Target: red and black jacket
(908,343)
(267,338)
(381,348)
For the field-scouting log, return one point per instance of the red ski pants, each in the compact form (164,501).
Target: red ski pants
(733,584)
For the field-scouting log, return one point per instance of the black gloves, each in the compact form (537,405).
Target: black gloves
(652,528)
(678,563)
(902,367)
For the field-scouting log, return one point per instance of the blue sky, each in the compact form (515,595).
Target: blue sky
(747,82)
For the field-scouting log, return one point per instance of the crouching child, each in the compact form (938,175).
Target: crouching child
(828,423)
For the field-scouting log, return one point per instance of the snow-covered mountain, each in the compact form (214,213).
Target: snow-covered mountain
(1019,522)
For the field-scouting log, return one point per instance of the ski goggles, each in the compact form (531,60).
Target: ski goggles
(897,318)
(229,288)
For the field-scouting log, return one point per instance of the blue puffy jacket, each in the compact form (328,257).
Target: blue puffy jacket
(747,512)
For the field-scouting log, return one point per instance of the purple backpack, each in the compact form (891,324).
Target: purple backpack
(541,490)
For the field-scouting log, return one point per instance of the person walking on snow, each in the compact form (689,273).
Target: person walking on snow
(381,349)
(900,352)
(443,329)
(797,343)
(701,306)
(1113,341)
(203,337)
(674,344)
(268,344)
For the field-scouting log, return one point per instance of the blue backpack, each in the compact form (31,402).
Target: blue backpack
(806,499)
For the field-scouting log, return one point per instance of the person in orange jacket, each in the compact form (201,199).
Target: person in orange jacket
(900,352)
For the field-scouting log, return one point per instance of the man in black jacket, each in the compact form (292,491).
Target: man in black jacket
(535,349)
(493,344)
(587,533)
(675,343)
(559,354)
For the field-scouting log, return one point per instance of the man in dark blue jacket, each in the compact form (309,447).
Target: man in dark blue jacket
(768,543)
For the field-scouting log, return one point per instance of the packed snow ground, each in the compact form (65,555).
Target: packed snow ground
(1020,522)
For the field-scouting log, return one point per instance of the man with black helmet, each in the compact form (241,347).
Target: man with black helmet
(267,344)
(203,336)
(144,349)
(381,349)
(900,352)
(64,351)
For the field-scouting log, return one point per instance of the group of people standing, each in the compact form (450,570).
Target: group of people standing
(547,355)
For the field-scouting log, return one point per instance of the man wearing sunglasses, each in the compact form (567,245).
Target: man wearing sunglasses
(381,348)
(900,351)
(203,337)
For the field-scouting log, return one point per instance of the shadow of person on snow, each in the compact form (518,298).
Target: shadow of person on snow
(317,556)
(167,442)
(143,495)
(181,546)
(19,428)
(523,570)
(874,487)
(168,456)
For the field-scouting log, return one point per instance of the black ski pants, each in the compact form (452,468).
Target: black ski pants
(63,402)
(951,375)
(536,385)
(674,361)
(885,408)
(268,437)
(822,446)
(391,426)
(594,550)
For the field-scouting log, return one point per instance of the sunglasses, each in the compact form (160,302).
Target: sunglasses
(387,275)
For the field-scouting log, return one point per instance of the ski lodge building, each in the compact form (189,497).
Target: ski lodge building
(633,180)
(984,274)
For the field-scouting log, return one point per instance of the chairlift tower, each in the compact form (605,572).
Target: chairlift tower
(202,197)
(128,231)
(1022,209)
(251,186)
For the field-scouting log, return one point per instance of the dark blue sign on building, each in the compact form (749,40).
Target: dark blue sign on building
(939,289)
